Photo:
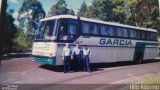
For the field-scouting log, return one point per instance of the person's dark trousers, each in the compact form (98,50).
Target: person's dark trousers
(86,63)
(78,64)
(66,64)
(72,65)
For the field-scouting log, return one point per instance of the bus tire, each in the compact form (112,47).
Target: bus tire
(139,58)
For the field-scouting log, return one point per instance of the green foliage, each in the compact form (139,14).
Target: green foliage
(60,8)
(22,41)
(11,11)
(30,13)
(83,9)
(8,33)
(34,5)
(158,20)
(100,9)
(71,12)
(118,12)
(142,13)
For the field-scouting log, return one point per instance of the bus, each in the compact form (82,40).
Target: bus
(108,41)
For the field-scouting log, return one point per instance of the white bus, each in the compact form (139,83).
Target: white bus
(109,42)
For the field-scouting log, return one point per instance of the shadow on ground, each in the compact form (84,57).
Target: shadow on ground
(19,55)
(99,66)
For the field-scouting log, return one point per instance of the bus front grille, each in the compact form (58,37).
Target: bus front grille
(44,60)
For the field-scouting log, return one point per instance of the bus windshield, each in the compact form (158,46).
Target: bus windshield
(67,30)
(46,30)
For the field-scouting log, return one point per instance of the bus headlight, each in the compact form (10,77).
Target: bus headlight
(50,54)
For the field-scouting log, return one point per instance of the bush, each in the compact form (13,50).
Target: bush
(23,41)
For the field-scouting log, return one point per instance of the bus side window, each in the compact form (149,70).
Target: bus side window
(138,35)
(67,30)
(151,36)
(147,35)
(63,28)
(72,29)
(125,32)
(143,35)
(112,31)
(85,28)
(104,30)
(118,32)
(122,32)
(131,33)
(94,29)
(154,36)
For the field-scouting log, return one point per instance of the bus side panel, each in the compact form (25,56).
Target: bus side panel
(59,60)
(108,53)
(102,54)
(111,54)
(150,53)
(124,53)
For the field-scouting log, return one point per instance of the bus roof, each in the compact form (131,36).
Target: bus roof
(97,21)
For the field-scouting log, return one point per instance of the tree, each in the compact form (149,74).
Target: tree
(29,15)
(83,9)
(2,20)
(71,12)
(9,31)
(101,9)
(142,13)
(22,41)
(60,8)
(118,12)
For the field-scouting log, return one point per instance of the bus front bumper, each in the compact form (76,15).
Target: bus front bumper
(45,60)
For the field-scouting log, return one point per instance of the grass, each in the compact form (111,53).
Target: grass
(152,80)
(148,81)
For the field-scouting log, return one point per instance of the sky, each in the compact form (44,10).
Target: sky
(47,4)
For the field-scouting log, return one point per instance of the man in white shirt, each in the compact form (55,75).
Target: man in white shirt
(77,54)
(86,58)
(66,54)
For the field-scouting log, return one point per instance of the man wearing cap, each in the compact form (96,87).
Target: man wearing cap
(77,54)
(66,54)
(86,58)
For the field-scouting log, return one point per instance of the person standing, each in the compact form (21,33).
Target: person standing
(66,54)
(86,58)
(77,54)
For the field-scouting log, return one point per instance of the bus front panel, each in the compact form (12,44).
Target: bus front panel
(44,52)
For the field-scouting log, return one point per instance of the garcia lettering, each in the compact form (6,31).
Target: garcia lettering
(115,42)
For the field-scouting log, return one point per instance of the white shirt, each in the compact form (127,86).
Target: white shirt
(87,52)
(76,51)
(66,51)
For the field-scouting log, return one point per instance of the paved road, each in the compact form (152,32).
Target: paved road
(23,70)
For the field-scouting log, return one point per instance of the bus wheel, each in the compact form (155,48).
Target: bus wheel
(139,58)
